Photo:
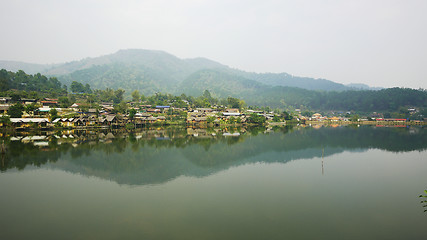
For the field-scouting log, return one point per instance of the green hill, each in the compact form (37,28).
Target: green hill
(156,71)
(150,71)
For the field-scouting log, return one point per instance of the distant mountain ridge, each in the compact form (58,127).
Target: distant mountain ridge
(30,68)
(151,70)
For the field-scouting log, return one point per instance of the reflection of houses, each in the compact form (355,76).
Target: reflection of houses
(227,134)
(199,133)
(39,141)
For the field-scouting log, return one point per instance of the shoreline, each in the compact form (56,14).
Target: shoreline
(210,125)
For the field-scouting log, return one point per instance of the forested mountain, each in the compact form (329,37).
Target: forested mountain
(155,71)
(219,83)
(150,71)
(158,61)
(287,80)
(222,85)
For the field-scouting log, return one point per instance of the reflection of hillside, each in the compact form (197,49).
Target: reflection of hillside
(156,156)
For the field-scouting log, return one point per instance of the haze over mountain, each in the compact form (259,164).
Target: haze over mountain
(30,68)
(151,71)
(156,71)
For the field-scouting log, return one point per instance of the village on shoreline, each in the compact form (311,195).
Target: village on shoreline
(46,115)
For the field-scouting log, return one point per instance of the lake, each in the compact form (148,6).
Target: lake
(344,182)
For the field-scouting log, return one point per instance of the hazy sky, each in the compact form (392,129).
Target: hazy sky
(377,42)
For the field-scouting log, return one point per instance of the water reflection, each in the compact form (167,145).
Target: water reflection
(152,156)
(423,200)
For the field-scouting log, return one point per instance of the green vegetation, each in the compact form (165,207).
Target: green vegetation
(33,84)
(16,110)
(226,89)
(53,114)
(77,87)
(256,118)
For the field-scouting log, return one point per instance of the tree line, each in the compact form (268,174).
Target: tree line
(30,83)
(21,85)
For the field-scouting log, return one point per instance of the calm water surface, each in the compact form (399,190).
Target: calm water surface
(294,183)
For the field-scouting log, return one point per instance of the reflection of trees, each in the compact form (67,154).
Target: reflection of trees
(206,151)
(18,155)
(423,200)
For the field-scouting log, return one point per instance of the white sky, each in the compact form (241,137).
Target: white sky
(376,42)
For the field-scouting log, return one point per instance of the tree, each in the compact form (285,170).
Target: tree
(132,113)
(5,120)
(15,97)
(179,104)
(136,96)
(4,80)
(16,110)
(231,120)
(53,114)
(31,108)
(118,95)
(287,116)
(90,99)
(87,88)
(255,118)
(64,102)
(121,107)
(233,102)
(77,87)
(210,119)
(355,118)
